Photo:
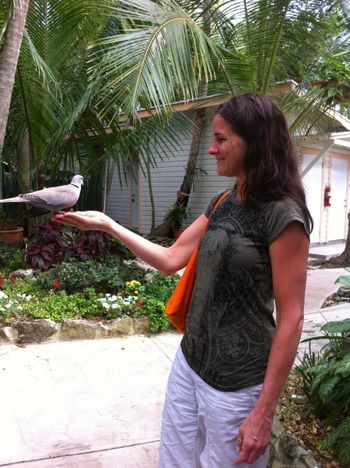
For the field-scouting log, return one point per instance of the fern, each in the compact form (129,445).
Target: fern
(326,381)
(339,442)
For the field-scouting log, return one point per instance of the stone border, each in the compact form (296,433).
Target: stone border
(46,330)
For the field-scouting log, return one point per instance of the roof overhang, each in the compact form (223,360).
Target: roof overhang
(339,140)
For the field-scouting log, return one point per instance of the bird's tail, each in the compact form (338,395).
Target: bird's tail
(12,200)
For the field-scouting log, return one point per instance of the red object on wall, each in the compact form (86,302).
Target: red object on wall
(327,196)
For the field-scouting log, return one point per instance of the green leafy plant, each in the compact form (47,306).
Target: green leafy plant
(51,245)
(11,303)
(74,276)
(60,305)
(326,381)
(176,215)
(7,222)
(344,279)
(44,248)
(87,245)
(154,309)
(161,286)
(11,260)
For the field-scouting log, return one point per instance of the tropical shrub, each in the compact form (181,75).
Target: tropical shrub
(326,381)
(154,309)
(75,289)
(74,275)
(85,245)
(52,244)
(11,260)
(59,305)
(344,279)
(13,294)
(161,286)
(44,248)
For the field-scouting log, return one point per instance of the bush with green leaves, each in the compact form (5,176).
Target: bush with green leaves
(344,280)
(11,259)
(59,305)
(161,286)
(13,295)
(326,382)
(74,276)
(106,290)
(154,309)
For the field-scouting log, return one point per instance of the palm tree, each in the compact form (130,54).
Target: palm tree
(11,46)
(150,54)
(164,54)
(54,118)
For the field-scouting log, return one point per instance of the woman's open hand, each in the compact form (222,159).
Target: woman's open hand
(85,220)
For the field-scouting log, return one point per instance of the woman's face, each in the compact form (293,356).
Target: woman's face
(228,148)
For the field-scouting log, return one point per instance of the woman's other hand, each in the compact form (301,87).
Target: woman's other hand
(253,437)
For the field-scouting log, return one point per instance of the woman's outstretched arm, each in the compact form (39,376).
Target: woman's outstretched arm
(168,260)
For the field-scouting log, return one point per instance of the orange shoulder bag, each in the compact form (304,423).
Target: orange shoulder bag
(179,302)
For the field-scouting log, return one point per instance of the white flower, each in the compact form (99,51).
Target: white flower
(8,305)
(106,305)
(113,298)
(3,295)
(2,309)
(129,298)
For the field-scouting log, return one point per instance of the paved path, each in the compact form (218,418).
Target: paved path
(91,404)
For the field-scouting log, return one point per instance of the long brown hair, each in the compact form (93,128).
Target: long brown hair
(270,163)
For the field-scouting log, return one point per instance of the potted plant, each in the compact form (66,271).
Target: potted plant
(11,232)
(176,215)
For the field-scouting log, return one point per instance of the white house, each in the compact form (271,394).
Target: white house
(324,164)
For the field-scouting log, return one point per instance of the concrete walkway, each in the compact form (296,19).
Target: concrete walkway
(85,404)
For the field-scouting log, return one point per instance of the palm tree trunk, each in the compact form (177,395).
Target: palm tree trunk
(187,183)
(183,194)
(151,196)
(9,60)
(342,260)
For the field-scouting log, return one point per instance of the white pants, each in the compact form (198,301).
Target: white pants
(200,424)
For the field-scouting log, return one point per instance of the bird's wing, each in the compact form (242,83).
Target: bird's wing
(62,196)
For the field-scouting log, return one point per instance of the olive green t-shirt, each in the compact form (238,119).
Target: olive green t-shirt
(230,324)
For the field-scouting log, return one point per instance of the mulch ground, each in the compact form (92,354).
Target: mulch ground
(298,419)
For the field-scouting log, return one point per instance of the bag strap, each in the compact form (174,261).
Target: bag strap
(221,199)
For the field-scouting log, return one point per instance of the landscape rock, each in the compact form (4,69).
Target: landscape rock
(141,325)
(8,335)
(79,330)
(36,331)
(118,327)
(285,452)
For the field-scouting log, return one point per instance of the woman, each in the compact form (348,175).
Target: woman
(233,361)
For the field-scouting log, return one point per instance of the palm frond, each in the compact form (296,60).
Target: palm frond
(162,59)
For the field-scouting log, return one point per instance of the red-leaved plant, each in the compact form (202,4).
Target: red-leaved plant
(51,245)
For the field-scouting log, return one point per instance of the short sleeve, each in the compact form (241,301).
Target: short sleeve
(212,203)
(282,213)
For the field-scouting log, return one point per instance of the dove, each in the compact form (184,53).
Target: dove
(52,199)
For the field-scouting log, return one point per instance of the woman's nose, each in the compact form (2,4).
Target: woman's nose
(212,149)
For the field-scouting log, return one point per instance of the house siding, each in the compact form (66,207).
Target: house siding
(118,201)
(167,178)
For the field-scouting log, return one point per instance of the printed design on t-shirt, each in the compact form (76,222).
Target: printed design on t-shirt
(228,331)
